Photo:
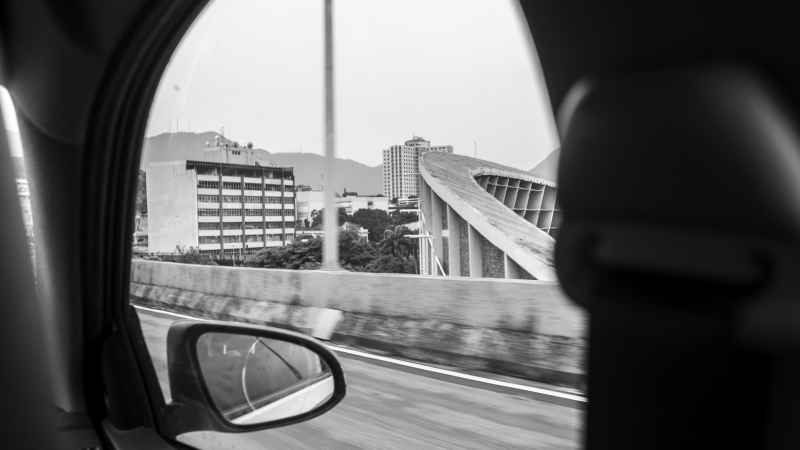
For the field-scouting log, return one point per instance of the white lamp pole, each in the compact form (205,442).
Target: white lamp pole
(330,250)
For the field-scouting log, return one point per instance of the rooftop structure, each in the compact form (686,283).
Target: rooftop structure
(224,150)
(485,219)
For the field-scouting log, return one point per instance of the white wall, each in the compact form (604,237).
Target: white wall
(171,206)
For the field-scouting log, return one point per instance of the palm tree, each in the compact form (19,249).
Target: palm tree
(396,243)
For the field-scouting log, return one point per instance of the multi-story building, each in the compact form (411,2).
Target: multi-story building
(353,203)
(400,162)
(219,207)
(308,201)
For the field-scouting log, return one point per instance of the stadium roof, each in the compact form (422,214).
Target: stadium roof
(452,177)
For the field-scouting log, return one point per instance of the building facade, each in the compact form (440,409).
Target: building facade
(481,219)
(400,164)
(308,201)
(351,204)
(219,207)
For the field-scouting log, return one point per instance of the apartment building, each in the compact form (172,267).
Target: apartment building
(219,207)
(400,166)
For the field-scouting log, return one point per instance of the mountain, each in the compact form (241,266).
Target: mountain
(308,167)
(548,168)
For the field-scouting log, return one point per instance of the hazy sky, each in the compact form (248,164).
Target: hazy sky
(452,71)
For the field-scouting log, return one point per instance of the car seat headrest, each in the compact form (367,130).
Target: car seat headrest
(677,171)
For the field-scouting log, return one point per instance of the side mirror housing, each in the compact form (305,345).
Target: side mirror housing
(237,378)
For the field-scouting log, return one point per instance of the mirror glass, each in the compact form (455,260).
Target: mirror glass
(255,379)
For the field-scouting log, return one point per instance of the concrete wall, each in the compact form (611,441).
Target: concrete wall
(171,206)
(520,328)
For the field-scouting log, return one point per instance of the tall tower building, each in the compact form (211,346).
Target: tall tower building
(400,162)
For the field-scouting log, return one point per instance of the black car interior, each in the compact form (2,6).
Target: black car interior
(679,178)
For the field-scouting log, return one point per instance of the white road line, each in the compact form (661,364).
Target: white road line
(170,313)
(520,387)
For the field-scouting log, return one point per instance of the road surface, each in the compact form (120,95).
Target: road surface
(391,408)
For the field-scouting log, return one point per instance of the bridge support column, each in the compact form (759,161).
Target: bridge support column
(475,257)
(512,269)
(454,243)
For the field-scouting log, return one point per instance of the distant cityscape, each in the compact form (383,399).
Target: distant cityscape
(462,216)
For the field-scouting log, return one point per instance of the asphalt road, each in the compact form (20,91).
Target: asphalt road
(391,408)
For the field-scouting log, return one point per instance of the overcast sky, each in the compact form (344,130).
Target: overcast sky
(452,71)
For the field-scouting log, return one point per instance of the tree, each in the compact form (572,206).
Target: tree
(141,194)
(396,243)
(316,217)
(353,255)
(346,193)
(374,220)
(391,264)
(402,218)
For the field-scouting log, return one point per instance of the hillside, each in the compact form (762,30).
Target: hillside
(308,167)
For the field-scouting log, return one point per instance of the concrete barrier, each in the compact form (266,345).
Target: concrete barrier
(514,327)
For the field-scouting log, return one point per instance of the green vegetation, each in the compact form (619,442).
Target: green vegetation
(192,255)
(141,194)
(396,243)
(354,255)
(376,221)
(317,215)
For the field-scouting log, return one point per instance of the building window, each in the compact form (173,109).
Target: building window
(252,212)
(231,212)
(209,240)
(208,184)
(207,212)
(232,185)
(208,226)
(232,239)
(208,198)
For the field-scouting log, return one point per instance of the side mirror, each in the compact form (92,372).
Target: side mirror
(237,378)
